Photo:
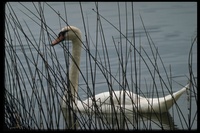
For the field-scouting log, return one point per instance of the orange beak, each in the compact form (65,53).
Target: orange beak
(59,39)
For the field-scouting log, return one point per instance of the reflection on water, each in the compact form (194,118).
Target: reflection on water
(126,121)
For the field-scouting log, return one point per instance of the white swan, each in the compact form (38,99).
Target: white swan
(102,101)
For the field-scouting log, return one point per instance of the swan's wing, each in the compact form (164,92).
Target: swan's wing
(107,101)
(116,97)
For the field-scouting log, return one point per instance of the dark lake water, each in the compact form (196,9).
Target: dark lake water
(171,25)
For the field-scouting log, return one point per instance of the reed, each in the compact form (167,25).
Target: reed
(36,73)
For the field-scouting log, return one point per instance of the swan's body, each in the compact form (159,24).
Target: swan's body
(102,102)
(133,102)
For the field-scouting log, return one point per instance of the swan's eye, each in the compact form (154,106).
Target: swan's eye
(62,33)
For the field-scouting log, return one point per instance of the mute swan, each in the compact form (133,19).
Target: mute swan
(133,102)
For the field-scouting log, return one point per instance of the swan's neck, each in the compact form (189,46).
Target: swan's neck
(74,68)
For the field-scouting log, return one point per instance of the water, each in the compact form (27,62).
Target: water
(172,27)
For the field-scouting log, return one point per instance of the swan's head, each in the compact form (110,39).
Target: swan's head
(68,33)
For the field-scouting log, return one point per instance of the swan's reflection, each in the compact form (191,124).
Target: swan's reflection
(162,121)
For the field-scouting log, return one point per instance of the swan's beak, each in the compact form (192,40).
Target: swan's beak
(59,39)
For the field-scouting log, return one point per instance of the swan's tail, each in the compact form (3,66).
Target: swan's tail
(177,94)
(170,99)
